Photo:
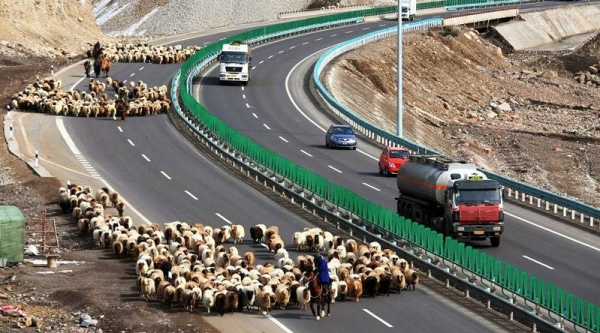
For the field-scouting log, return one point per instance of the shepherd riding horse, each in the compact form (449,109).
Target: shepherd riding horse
(316,296)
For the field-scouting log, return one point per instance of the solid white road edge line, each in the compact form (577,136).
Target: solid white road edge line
(287,89)
(223,218)
(553,232)
(279,324)
(538,262)
(376,317)
(75,151)
(191,195)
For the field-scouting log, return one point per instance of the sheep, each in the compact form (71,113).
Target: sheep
(412,278)
(169,295)
(282,295)
(148,289)
(303,296)
(370,285)
(263,300)
(237,233)
(355,287)
(208,299)
(232,300)
(247,297)
(221,304)
(342,290)
(398,281)
(257,233)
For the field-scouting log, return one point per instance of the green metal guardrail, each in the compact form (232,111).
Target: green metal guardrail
(466,4)
(431,4)
(514,281)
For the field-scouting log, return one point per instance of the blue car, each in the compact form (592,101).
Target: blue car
(340,136)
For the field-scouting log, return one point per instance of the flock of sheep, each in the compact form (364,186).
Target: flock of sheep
(147,53)
(46,96)
(194,265)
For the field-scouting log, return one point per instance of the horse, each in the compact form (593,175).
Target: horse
(105,65)
(87,65)
(97,52)
(97,67)
(316,296)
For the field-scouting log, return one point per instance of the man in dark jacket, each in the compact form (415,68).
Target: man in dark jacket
(323,274)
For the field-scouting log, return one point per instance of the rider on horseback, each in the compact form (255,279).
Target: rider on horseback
(96,48)
(323,273)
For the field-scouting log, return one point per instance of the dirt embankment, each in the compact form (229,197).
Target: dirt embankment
(525,117)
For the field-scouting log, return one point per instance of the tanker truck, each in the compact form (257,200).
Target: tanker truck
(452,197)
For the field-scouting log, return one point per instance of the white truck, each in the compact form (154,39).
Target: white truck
(235,63)
(409,10)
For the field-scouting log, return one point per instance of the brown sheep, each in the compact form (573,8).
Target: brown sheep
(354,287)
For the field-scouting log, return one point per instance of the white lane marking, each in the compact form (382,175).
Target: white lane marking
(330,167)
(254,114)
(349,32)
(145,157)
(254,67)
(371,186)
(376,317)
(305,153)
(243,96)
(24,134)
(141,68)
(287,89)
(76,152)
(242,88)
(247,105)
(382,25)
(265,245)
(333,35)
(280,52)
(292,47)
(120,129)
(76,83)
(131,142)
(319,39)
(283,139)
(223,38)
(165,174)
(191,195)
(304,43)
(261,62)
(279,324)
(554,232)
(269,57)
(206,43)
(132,74)
(538,262)
(365,29)
(266,126)
(124,81)
(223,218)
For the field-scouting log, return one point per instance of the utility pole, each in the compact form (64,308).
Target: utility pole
(399,57)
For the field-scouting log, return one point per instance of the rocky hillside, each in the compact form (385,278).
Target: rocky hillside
(525,117)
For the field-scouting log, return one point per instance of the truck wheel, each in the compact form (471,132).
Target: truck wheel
(447,228)
(495,241)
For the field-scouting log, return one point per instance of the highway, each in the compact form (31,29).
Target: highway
(164,177)
(276,111)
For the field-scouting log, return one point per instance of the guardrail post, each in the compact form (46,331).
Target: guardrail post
(555,208)
(523,197)
(572,214)
(547,205)
(581,217)
(509,192)
(531,200)
(564,211)
(539,202)
(591,221)
(37,163)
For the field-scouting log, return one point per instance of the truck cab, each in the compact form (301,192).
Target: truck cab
(235,63)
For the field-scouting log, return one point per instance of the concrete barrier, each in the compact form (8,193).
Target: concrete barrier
(481,17)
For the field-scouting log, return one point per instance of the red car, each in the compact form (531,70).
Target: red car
(391,159)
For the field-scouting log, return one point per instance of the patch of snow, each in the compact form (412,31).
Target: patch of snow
(43,262)
(103,14)
(131,30)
